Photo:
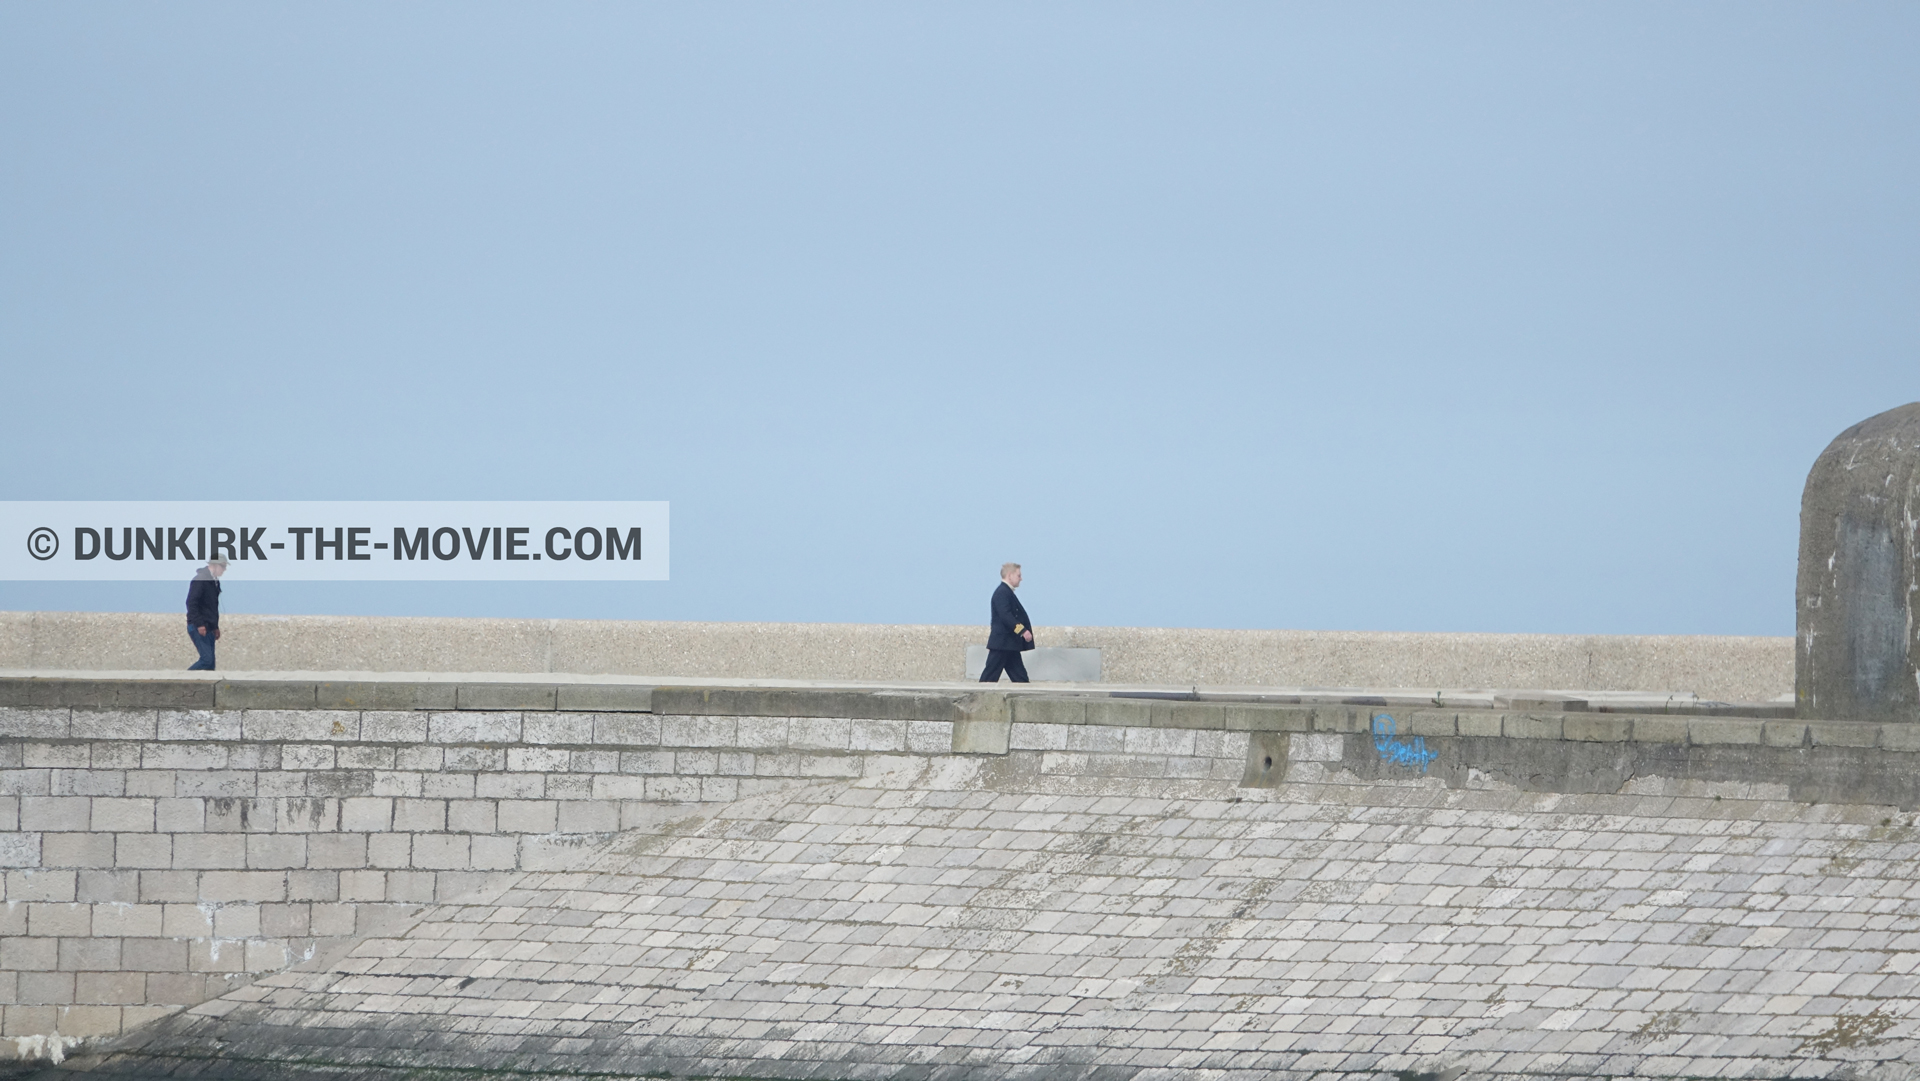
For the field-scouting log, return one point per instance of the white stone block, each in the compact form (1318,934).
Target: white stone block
(474,727)
(34,723)
(194,756)
(819,734)
(867,735)
(678,731)
(441,851)
(199,724)
(243,886)
(1315,747)
(236,921)
(390,850)
(122,815)
(510,785)
(276,851)
(127,920)
(420,815)
(210,851)
(337,851)
(567,728)
(356,886)
(266,955)
(626,729)
(560,852)
(475,758)
(1159,741)
(112,724)
(471,816)
(527,816)
(368,813)
(538,759)
(180,815)
(646,761)
(494,853)
(1096,738)
(1038,737)
(588,816)
(393,726)
(56,813)
(680,789)
(311,725)
(761,733)
(89,782)
(696,762)
(306,756)
(929,737)
(55,755)
(607,786)
(48,885)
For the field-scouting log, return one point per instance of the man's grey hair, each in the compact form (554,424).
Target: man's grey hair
(1008,568)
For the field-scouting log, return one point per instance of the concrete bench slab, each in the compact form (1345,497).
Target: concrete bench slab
(1047,664)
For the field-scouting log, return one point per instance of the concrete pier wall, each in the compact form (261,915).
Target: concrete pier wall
(159,858)
(1722,668)
(1061,872)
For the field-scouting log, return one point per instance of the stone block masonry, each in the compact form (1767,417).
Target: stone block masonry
(834,884)
(1077,915)
(157,858)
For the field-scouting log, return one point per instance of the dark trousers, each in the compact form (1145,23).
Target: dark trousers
(1004,660)
(203,643)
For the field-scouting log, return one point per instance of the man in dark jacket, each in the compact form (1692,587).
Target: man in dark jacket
(1012,632)
(203,612)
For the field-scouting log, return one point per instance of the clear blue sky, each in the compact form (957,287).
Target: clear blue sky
(1485,317)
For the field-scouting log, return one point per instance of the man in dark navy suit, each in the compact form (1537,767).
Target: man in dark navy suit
(1012,632)
(203,612)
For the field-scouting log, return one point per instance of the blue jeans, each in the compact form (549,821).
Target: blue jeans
(203,643)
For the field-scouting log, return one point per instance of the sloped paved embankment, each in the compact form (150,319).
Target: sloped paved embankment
(1019,918)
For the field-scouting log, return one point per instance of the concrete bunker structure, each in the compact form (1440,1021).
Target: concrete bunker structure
(1859,581)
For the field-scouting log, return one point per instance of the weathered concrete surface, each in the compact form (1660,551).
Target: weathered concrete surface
(1059,915)
(1725,668)
(1858,578)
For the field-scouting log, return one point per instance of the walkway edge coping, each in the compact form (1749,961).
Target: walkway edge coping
(1514,717)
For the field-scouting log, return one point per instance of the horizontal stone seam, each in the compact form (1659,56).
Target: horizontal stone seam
(1669,729)
(1123,712)
(88,741)
(319,707)
(844,752)
(1532,726)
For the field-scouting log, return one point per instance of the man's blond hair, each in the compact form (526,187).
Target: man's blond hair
(1008,568)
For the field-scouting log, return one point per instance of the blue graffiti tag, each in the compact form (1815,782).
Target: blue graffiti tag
(1396,750)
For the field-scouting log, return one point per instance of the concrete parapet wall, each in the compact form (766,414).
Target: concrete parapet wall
(1724,668)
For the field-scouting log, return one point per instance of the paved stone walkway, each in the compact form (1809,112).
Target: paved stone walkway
(1028,918)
